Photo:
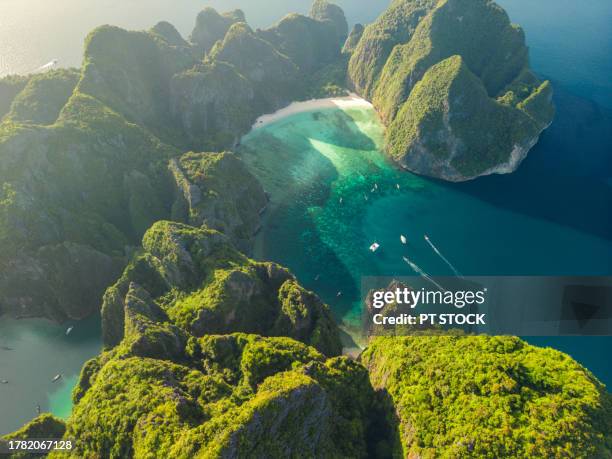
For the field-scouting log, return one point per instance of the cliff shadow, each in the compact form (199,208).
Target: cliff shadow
(567,176)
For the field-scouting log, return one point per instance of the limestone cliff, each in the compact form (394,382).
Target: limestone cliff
(226,396)
(206,286)
(436,70)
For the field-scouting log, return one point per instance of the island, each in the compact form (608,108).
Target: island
(121,195)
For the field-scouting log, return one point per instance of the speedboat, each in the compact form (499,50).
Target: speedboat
(56,378)
(403,239)
(69,329)
(374,247)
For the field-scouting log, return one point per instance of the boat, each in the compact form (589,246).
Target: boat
(3,381)
(376,186)
(426,237)
(397,186)
(69,329)
(403,239)
(317,277)
(341,200)
(56,378)
(6,348)
(374,247)
(338,294)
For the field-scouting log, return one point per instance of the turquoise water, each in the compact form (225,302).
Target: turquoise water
(334,193)
(552,216)
(39,350)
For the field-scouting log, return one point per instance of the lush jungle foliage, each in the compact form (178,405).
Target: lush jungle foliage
(490,398)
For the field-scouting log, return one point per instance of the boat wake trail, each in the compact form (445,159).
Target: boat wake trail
(444,259)
(425,276)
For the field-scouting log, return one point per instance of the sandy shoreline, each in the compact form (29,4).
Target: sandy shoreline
(352,101)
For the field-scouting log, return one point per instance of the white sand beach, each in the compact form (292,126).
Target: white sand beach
(351,101)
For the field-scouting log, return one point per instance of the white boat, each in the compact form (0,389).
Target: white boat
(374,247)
(69,329)
(339,294)
(403,239)
(56,378)
(341,200)
(397,186)
(3,381)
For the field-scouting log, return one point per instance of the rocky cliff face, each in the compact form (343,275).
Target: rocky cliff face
(211,27)
(435,70)
(214,104)
(226,396)
(206,286)
(217,191)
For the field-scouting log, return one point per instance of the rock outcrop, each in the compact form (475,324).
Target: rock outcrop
(211,26)
(213,103)
(43,97)
(217,191)
(227,396)
(451,80)
(206,286)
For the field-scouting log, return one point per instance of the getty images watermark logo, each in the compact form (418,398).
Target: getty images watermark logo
(395,305)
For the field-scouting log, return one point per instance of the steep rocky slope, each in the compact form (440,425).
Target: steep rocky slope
(436,70)
(205,286)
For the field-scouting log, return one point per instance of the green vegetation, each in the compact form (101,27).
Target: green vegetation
(227,396)
(489,397)
(43,97)
(44,426)
(404,62)
(273,75)
(353,39)
(10,86)
(439,118)
(205,286)
(211,27)
(323,11)
(310,42)
(209,353)
(216,190)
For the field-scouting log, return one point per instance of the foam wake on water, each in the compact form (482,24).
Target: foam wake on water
(444,259)
(423,274)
